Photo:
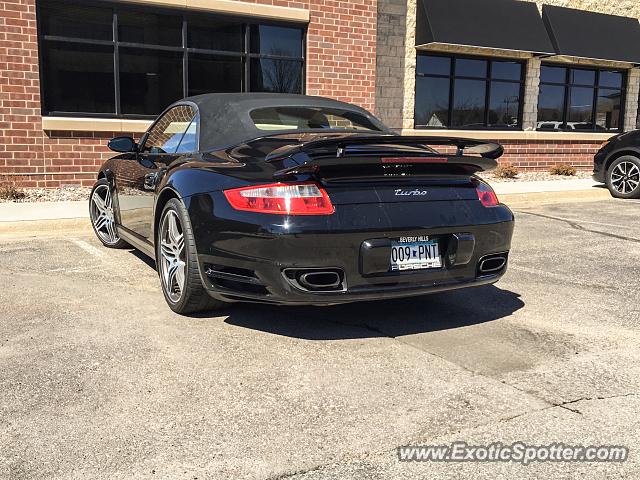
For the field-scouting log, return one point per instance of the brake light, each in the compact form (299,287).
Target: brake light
(486,195)
(414,160)
(282,199)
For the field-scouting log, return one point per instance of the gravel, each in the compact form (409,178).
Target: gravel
(63,194)
(535,177)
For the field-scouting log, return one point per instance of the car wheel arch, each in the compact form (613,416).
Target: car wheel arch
(620,153)
(163,197)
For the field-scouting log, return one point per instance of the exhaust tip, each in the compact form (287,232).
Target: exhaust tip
(317,279)
(492,264)
(320,280)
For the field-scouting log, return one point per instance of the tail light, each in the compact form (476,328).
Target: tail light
(486,195)
(282,199)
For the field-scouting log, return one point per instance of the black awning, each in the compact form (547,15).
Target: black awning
(592,35)
(496,24)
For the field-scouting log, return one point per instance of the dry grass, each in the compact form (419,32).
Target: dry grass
(563,169)
(9,191)
(506,170)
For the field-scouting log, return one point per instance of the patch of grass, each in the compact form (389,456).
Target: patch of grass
(9,191)
(506,170)
(563,169)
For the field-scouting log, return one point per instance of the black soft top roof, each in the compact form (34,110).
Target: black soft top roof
(225,120)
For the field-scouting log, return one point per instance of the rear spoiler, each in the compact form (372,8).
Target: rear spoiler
(363,149)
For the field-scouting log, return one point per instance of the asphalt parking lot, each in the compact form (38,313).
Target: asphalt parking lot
(99,379)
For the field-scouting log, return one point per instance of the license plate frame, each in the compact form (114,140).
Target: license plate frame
(419,253)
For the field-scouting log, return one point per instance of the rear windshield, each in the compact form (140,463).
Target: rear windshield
(309,118)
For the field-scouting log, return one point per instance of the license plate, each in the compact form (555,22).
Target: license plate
(415,253)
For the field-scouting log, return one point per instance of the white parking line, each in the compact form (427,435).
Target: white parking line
(90,249)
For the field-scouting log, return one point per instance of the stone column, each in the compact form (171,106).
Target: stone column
(631,101)
(410,55)
(531,94)
(390,67)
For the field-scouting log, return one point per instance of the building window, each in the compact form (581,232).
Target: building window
(465,92)
(114,60)
(581,99)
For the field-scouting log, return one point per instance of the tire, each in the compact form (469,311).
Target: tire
(623,177)
(102,216)
(177,263)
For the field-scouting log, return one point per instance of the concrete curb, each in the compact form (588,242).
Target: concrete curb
(544,198)
(45,226)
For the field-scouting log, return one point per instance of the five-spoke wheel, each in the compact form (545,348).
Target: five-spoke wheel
(178,263)
(102,215)
(172,256)
(623,177)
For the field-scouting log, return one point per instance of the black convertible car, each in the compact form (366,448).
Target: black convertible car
(617,164)
(292,199)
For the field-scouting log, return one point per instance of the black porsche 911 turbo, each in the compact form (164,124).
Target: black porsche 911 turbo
(291,199)
(617,164)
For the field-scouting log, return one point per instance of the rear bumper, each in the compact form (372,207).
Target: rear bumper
(281,294)
(245,258)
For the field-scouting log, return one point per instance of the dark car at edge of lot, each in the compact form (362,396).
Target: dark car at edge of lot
(617,164)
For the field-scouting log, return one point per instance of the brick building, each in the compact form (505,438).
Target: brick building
(75,73)
(567,73)
(550,83)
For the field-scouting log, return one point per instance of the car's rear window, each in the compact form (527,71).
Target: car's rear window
(309,118)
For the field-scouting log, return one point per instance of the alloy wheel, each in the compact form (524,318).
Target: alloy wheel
(625,177)
(102,215)
(172,256)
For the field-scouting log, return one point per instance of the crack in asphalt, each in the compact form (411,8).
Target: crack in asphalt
(575,225)
(590,399)
(283,476)
(347,458)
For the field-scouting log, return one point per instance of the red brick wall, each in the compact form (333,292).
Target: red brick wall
(341,52)
(540,155)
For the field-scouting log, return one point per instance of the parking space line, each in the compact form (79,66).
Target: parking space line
(90,249)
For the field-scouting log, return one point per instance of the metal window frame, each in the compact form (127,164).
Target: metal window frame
(488,80)
(568,84)
(244,54)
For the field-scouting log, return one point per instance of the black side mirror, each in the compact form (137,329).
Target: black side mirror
(123,144)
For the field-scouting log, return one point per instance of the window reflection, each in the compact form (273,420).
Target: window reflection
(208,33)
(506,71)
(551,106)
(432,102)
(149,28)
(150,48)
(79,78)
(471,68)
(504,104)
(580,105)
(583,89)
(429,64)
(608,109)
(469,103)
(475,85)
(150,80)
(276,76)
(278,41)
(76,21)
(227,78)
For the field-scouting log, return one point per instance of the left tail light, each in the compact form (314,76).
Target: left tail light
(281,199)
(486,195)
